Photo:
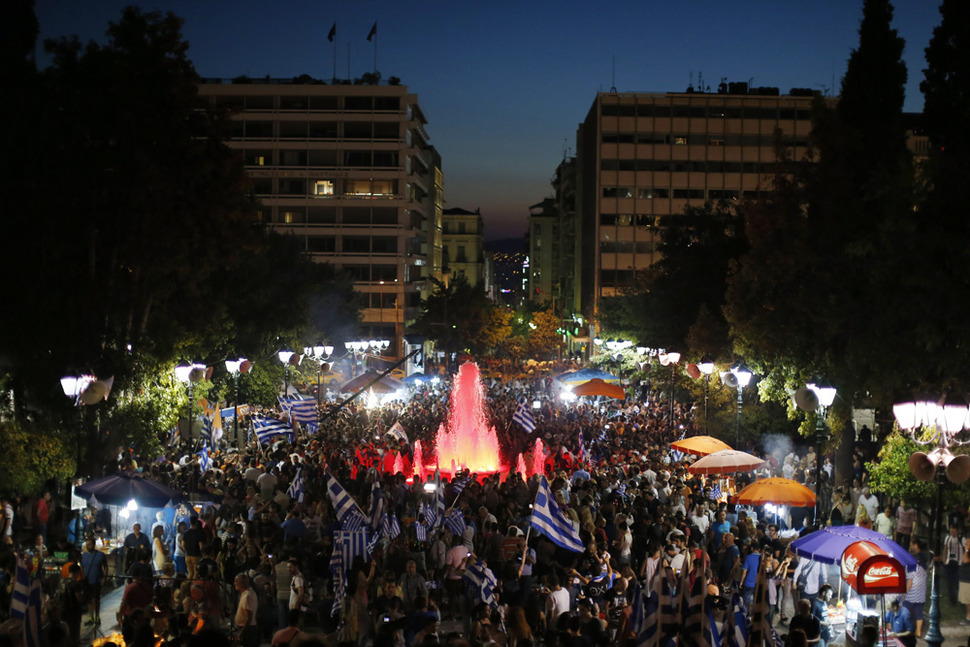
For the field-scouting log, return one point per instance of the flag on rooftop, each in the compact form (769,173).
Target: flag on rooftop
(548,519)
(372,33)
(295,490)
(333,33)
(348,512)
(523,417)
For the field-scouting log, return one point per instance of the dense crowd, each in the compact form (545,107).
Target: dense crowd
(244,557)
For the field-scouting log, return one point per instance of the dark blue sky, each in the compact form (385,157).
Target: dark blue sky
(505,83)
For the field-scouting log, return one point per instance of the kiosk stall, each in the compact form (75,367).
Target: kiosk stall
(870,571)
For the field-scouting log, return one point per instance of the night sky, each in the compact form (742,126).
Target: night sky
(505,83)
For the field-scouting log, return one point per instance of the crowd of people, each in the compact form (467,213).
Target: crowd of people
(249,556)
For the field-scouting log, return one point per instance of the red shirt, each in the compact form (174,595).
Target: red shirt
(41,512)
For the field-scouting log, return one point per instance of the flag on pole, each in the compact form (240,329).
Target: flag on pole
(398,433)
(696,629)
(351,544)
(295,490)
(372,33)
(25,605)
(481,579)
(523,417)
(299,410)
(211,422)
(735,631)
(716,492)
(439,500)
(348,512)
(455,522)
(333,33)
(669,606)
(458,486)
(377,514)
(204,461)
(339,581)
(390,527)
(644,616)
(548,519)
(268,428)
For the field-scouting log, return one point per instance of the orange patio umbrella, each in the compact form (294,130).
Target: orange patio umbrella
(726,461)
(776,490)
(700,445)
(596,386)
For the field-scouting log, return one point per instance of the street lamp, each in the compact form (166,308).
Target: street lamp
(188,374)
(235,367)
(825,396)
(706,366)
(670,359)
(82,390)
(357,348)
(322,355)
(737,377)
(288,358)
(949,420)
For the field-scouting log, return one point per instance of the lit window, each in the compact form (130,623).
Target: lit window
(323,187)
(288,217)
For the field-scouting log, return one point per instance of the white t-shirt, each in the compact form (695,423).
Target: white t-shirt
(557,604)
(247,602)
(295,598)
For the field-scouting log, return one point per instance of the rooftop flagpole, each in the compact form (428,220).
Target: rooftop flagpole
(372,36)
(332,37)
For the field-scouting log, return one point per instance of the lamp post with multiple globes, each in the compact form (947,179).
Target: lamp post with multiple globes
(235,367)
(322,355)
(189,374)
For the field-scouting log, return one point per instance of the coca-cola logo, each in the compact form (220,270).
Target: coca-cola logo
(881,571)
(850,565)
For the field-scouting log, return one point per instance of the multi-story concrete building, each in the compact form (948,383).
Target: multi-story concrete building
(463,244)
(645,156)
(347,169)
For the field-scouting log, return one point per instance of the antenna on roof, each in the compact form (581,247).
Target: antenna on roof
(613,84)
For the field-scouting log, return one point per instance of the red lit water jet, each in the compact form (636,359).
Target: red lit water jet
(538,458)
(465,441)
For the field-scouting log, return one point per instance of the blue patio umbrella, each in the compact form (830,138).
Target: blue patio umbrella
(416,378)
(120,488)
(828,544)
(585,375)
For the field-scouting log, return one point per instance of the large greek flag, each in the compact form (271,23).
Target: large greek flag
(455,522)
(25,603)
(548,519)
(295,490)
(524,417)
(268,428)
(377,512)
(348,512)
(299,410)
(481,579)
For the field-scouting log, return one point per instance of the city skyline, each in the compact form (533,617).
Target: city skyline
(505,85)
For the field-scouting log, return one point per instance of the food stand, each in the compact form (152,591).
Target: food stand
(869,570)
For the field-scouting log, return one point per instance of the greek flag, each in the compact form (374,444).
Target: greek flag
(458,486)
(455,522)
(377,514)
(204,461)
(716,492)
(390,527)
(25,603)
(548,519)
(211,423)
(420,531)
(760,627)
(480,578)
(696,630)
(268,428)
(602,437)
(397,433)
(173,435)
(524,417)
(295,490)
(735,632)
(677,456)
(644,618)
(351,544)
(669,606)
(339,580)
(348,512)
(299,410)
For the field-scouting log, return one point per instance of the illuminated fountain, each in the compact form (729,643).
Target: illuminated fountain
(465,441)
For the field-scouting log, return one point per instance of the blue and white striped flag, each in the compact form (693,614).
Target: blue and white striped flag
(669,606)
(677,456)
(420,531)
(351,544)
(439,500)
(602,437)
(524,417)
(377,514)
(204,461)
(339,580)
(481,579)
(398,433)
(548,519)
(644,619)
(173,435)
(299,410)
(460,485)
(268,428)
(696,630)
(295,490)
(716,492)
(390,527)
(25,605)
(455,522)
(735,631)
(348,512)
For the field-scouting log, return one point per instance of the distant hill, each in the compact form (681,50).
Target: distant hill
(506,245)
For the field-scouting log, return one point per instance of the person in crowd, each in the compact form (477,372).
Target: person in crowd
(247,618)
(135,542)
(901,624)
(95,567)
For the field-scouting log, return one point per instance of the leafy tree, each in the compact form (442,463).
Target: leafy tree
(890,475)
(32,457)
(827,247)
(456,316)
(686,286)
(545,340)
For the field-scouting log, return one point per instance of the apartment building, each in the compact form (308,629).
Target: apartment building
(349,170)
(463,245)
